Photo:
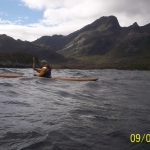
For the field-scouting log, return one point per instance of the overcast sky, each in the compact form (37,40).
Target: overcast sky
(31,19)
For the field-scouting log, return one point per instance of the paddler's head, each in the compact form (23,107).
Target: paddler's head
(43,62)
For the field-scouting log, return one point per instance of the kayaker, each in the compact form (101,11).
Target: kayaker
(45,71)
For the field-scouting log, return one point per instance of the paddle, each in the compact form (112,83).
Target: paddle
(33,65)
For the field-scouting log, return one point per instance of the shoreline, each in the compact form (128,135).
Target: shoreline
(83,68)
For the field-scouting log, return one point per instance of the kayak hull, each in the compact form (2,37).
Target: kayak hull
(54,78)
(75,79)
(10,75)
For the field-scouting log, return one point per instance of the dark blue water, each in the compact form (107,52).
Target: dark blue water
(43,114)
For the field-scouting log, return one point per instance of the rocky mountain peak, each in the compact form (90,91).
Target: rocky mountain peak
(103,24)
(135,24)
(135,27)
(107,23)
(109,20)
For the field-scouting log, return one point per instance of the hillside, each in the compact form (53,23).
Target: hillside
(9,45)
(104,44)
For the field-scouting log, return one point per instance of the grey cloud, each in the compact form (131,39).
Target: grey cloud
(131,9)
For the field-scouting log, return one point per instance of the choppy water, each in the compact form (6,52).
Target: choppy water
(43,114)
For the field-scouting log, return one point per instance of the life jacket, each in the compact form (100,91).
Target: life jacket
(47,72)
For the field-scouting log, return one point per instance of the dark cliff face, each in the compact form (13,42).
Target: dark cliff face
(106,23)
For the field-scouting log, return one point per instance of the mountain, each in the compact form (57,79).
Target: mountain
(101,44)
(105,44)
(10,46)
(56,42)
(82,37)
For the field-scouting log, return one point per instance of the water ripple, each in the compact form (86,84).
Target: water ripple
(40,113)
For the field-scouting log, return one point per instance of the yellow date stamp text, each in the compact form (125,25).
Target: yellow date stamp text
(140,138)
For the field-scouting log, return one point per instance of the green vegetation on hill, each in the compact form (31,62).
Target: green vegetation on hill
(17,59)
(106,62)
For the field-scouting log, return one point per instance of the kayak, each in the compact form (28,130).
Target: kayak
(75,79)
(11,75)
(54,78)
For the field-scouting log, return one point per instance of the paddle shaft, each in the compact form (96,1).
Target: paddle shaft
(33,64)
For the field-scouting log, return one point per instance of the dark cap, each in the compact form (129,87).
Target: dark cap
(44,62)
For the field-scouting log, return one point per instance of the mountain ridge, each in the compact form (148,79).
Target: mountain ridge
(8,45)
(103,22)
(110,25)
(101,44)
(107,40)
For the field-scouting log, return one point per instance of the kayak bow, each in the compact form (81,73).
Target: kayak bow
(11,75)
